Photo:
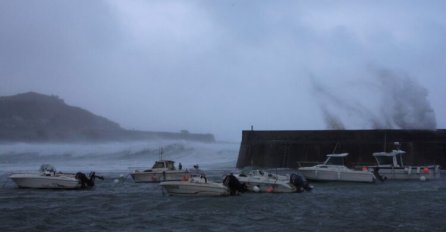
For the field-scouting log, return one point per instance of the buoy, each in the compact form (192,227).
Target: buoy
(365,169)
(269,189)
(256,189)
(422,178)
(426,170)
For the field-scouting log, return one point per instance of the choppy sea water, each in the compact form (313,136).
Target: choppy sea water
(127,206)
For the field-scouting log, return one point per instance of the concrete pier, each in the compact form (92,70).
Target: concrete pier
(289,149)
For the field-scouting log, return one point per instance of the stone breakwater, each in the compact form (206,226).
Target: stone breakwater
(290,149)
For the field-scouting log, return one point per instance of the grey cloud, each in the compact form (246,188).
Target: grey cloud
(221,66)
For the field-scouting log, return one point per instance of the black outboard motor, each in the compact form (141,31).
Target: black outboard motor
(377,175)
(234,185)
(300,182)
(85,181)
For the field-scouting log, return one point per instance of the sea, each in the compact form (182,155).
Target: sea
(119,204)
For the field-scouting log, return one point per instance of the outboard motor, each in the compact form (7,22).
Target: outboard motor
(377,175)
(234,185)
(85,181)
(300,182)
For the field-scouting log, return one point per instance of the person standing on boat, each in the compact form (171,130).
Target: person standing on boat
(180,166)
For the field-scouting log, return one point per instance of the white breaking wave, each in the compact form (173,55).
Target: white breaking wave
(116,156)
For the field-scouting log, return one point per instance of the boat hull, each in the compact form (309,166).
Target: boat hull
(410,173)
(156,177)
(45,182)
(188,188)
(319,174)
(267,185)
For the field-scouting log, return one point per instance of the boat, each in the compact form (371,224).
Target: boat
(195,186)
(333,169)
(258,180)
(162,170)
(48,178)
(390,166)
(199,185)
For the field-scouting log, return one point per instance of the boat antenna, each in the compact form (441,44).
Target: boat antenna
(336,145)
(161,153)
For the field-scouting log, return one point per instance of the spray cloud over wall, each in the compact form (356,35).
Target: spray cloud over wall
(386,100)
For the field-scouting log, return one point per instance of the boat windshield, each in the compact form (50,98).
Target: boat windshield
(170,166)
(159,164)
(335,161)
(384,160)
(164,164)
(47,168)
(247,171)
(392,159)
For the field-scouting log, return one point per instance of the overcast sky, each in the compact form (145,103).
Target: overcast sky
(221,66)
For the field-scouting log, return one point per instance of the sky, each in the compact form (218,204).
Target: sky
(221,66)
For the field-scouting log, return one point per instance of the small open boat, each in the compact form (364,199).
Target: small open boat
(199,185)
(195,186)
(48,178)
(262,181)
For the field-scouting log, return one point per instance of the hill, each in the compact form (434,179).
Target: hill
(34,117)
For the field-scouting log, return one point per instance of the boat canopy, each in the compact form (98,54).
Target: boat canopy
(393,153)
(338,155)
(335,159)
(390,159)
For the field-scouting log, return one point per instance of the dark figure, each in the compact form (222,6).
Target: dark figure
(180,166)
(234,185)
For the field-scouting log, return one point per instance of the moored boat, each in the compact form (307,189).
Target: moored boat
(48,178)
(199,185)
(195,186)
(334,169)
(162,170)
(390,165)
(262,181)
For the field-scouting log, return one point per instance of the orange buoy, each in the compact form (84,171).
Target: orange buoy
(426,170)
(269,189)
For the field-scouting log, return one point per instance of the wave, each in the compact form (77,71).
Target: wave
(117,156)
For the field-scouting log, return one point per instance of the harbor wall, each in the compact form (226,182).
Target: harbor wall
(292,149)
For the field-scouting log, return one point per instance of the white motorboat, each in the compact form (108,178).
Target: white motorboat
(162,170)
(390,166)
(199,185)
(195,186)
(333,169)
(262,181)
(48,178)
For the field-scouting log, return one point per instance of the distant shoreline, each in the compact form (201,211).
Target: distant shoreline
(37,118)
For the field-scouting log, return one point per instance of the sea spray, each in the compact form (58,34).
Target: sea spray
(390,100)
